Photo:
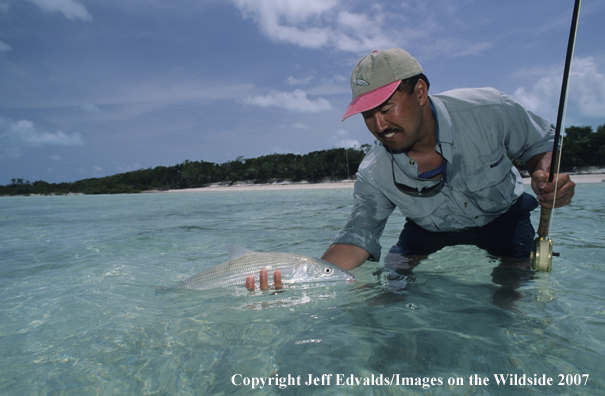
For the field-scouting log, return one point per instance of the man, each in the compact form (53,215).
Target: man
(446,162)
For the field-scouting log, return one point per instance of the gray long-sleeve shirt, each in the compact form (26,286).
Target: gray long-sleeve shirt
(481,131)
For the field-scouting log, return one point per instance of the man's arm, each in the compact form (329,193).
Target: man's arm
(539,169)
(346,256)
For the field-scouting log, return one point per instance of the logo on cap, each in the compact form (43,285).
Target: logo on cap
(360,81)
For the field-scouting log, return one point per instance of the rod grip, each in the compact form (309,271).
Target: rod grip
(544,222)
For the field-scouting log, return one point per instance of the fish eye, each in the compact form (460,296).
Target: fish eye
(328,270)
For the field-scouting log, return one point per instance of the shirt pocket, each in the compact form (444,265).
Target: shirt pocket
(492,186)
(428,213)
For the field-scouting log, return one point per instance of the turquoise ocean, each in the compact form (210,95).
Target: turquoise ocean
(77,316)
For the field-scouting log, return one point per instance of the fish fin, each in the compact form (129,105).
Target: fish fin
(236,251)
(135,284)
(158,289)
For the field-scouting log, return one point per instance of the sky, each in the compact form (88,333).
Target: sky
(91,88)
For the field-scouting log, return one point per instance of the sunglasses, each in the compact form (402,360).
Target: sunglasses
(424,191)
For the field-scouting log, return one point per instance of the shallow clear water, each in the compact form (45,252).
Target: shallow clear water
(76,318)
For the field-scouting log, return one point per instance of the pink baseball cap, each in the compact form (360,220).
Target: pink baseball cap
(376,77)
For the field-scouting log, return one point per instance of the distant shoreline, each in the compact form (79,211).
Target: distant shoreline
(244,186)
(579,178)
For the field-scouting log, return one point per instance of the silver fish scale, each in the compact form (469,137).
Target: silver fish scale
(235,272)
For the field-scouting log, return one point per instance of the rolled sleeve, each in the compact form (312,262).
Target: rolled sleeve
(529,134)
(371,210)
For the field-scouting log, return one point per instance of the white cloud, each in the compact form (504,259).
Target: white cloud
(90,107)
(456,47)
(292,11)
(364,32)
(541,98)
(323,23)
(341,139)
(299,81)
(288,20)
(125,168)
(588,87)
(293,101)
(15,136)
(317,24)
(71,9)
(586,92)
(300,125)
(4,47)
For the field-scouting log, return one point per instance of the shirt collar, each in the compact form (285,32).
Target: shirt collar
(436,122)
(443,127)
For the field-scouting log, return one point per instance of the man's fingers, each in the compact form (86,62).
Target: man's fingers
(563,183)
(250,283)
(277,280)
(540,178)
(565,192)
(264,284)
(263,280)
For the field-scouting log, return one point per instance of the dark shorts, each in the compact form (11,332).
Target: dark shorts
(509,235)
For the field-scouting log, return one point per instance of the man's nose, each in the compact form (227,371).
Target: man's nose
(380,123)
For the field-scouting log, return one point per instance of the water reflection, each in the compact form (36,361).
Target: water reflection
(397,273)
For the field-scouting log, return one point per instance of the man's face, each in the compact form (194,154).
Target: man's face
(397,122)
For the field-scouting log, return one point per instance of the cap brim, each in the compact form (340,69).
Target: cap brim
(369,100)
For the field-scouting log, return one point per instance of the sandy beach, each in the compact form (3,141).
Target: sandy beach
(243,186)
(269,187)
(580,178)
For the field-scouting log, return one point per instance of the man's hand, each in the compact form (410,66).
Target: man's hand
(545,191)
(539,168)
(264,284)
(345,256)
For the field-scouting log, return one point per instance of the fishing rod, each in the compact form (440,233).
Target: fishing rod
(541,256)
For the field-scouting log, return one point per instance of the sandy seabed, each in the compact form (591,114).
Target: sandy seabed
(242,186)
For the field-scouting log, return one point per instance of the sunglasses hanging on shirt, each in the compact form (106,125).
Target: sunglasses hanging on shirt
(424,191)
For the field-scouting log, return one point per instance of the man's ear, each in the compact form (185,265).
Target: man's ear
(422,91)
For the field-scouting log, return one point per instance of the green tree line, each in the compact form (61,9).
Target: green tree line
(332,164)
(582,147)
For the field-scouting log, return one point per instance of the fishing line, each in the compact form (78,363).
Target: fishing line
(542,253)
(555,164)
(554,200)
(344,128)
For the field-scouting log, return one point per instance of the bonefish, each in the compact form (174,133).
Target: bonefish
(294,268)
